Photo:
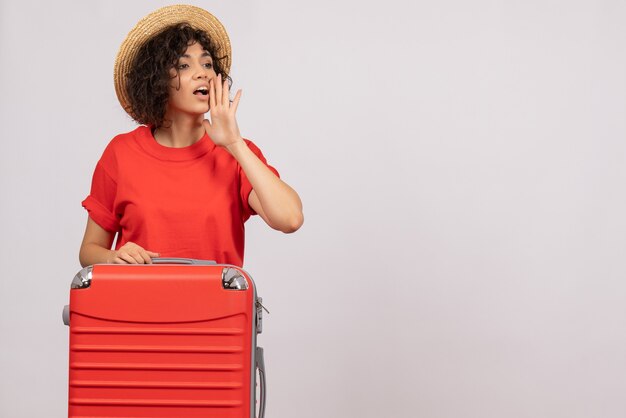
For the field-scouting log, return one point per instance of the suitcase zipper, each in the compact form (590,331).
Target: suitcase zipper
(259,305)
(259,314)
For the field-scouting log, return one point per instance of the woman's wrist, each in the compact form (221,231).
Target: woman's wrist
(93,253)
(237,147)
(110,256)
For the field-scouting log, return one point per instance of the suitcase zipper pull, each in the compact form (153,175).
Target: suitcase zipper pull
(259,304)
(259,314)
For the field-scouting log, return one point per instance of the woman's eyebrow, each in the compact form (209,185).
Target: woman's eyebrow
(204,54)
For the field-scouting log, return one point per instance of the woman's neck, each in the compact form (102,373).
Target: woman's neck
(182,131)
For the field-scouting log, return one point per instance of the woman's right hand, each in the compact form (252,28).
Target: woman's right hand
(131,253)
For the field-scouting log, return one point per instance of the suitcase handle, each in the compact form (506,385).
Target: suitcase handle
(260,365)
(173,260)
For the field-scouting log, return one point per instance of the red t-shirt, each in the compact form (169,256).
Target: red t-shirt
(180,202)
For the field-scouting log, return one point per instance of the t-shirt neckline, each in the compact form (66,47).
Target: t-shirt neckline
(191,152)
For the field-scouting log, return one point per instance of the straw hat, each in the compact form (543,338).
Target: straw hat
(152,24)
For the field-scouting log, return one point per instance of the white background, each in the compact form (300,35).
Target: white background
(462,168)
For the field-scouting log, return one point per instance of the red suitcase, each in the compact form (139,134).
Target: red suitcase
(173,339)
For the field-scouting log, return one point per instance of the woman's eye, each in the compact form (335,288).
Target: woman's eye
(208,65)
(182,66)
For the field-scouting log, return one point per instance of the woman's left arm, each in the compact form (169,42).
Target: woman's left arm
(277,203)
(274,200)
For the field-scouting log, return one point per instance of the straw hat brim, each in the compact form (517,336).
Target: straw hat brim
(151,25)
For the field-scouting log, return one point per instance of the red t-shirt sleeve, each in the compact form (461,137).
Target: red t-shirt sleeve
(245,186)
(101,200)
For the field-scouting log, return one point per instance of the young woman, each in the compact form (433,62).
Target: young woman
(180,185)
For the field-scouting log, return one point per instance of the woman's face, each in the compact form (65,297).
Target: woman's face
(189,89)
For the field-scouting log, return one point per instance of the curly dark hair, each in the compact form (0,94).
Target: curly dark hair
(149,76)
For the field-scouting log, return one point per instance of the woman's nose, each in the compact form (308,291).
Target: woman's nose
(202,72)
